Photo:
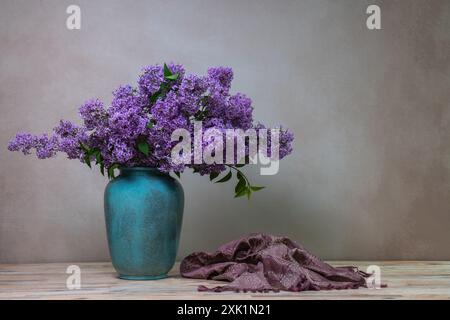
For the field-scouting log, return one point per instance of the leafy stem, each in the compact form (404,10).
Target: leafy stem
(165,85)
(243,186)
(95,153)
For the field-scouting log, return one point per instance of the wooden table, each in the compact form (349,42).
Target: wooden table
(405,280)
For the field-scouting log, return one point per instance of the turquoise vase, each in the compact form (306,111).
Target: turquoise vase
(143,214)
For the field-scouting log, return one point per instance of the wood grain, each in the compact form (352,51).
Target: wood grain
(405,280)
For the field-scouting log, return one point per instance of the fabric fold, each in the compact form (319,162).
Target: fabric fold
(262,263)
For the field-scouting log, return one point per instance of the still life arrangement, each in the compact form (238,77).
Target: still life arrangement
(144,204)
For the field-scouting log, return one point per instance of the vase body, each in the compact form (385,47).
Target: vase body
(143,214)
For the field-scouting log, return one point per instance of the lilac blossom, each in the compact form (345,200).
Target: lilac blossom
(23,142)
(143,118)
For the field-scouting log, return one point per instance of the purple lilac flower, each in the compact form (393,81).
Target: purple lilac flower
(93,114)
(239,111)
(220,80)
(286,139)
(23,142)
(151,79)
(46,147)
(149,114)
(285,143)
(70,136)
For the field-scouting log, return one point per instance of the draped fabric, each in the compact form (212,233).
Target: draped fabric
(262,262)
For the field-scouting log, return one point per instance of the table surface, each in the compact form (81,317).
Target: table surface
(405,280)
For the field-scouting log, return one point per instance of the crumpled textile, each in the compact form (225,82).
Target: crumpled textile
(262,263)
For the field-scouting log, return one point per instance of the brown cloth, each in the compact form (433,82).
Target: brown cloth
(261,263)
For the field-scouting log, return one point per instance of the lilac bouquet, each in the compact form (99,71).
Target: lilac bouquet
(136,129)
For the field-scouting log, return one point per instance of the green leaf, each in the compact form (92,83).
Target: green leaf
(167,71)
(87,159)
(151,124)
(204,100)
(143,147)
(155,96)
(163,89)
(213,175)
(240,176)
(98,157)
(177,174)
(102,169)
(249,193)
(111,171)
(160,93)
(241,193)
(226,178)
(173,76)
(240,186)
(84,147)
(200,115)
(256,188)
(239,165)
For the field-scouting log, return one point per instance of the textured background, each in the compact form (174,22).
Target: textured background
(369,177)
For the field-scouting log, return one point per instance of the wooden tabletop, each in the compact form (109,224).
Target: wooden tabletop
(405,280)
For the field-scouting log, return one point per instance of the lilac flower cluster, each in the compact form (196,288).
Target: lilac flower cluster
(136,128)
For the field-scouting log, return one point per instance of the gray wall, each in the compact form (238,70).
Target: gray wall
(369,177)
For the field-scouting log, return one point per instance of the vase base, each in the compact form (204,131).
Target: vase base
(125,277)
